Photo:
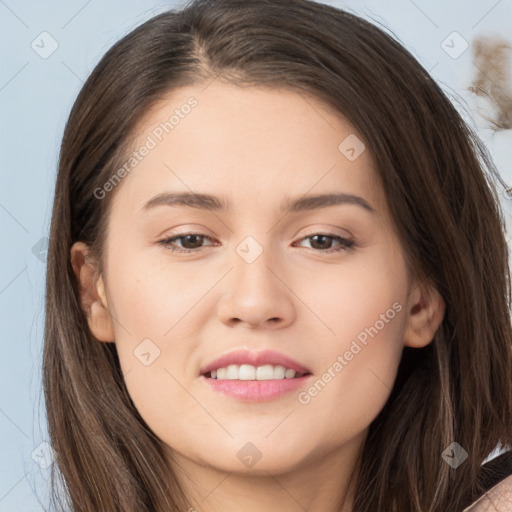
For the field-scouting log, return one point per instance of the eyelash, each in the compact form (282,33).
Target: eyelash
(345,244)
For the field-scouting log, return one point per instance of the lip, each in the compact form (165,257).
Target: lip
(256,390)
(261,358)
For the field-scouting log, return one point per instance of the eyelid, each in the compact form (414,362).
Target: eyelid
(345,233)
(346,243)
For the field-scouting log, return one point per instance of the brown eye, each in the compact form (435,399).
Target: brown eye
(322,242)
(190,242)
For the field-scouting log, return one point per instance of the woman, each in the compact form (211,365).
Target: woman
(204,349)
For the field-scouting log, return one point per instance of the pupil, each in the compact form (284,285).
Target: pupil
(193,237)
(324,237)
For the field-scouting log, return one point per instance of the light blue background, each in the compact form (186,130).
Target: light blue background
(36,95)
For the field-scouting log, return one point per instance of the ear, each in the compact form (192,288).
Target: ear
(425,310)
(92,293)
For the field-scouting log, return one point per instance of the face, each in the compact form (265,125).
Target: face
(323,284)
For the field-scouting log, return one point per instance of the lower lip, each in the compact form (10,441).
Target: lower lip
(256,390)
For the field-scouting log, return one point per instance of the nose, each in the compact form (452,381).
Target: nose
(258,294)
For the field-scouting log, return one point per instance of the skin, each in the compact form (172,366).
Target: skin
(255,147)
(497,499)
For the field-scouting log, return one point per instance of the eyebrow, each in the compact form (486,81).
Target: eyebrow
(213,203)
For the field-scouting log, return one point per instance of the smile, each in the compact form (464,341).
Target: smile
(250,372)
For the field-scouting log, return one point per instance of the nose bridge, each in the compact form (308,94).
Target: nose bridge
(253,263)
(255,293)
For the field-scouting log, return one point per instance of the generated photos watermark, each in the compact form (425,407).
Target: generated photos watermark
(152,140)
(356,346)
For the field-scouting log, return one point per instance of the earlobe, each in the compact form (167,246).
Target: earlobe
(100,322)
(93,296)
(426,310)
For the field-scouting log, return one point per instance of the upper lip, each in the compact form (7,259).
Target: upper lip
(264,357)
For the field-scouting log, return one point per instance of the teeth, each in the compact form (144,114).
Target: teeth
(249,372)
(244,372)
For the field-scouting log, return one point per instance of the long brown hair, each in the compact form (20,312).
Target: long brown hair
(437,177)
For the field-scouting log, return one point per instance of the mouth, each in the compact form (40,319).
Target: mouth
(256,390)
(248,372)
(246,365)
(255,376)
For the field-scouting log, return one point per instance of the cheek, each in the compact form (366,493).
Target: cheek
(155,311)
(357,377)
(365,310)
(153,297)
(355,295)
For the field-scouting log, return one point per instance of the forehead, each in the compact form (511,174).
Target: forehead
(252,146)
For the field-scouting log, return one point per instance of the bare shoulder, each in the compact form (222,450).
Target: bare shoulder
(496,499)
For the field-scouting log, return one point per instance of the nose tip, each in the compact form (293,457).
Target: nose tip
(256,298)
(253,324)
